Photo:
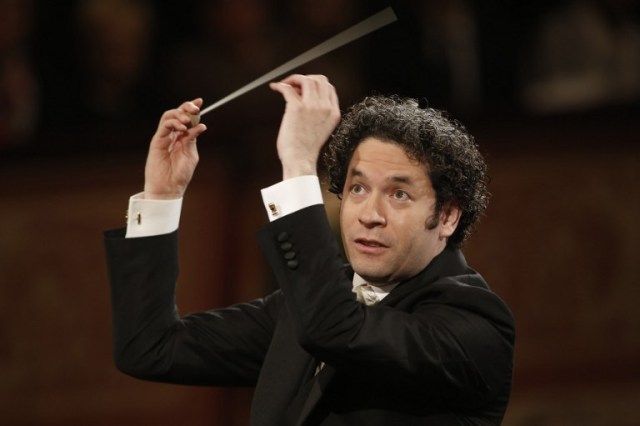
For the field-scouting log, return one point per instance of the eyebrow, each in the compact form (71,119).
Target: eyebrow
(396,178)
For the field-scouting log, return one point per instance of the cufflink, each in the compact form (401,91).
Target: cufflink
(138,218)
(274,209)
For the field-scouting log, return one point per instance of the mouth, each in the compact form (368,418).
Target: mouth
(370,246)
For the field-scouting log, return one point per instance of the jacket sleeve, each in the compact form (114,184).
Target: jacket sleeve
(439,348)
(151,341)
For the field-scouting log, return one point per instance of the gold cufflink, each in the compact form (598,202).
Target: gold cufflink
(274,209)
(138,217)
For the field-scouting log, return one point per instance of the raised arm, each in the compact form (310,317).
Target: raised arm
(312,112)
(151,340)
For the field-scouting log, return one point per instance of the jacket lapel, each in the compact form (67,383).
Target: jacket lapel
(314,392)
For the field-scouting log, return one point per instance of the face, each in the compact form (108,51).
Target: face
(387,205)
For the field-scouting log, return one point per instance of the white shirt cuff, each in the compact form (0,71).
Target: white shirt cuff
(291,195)
(146,218)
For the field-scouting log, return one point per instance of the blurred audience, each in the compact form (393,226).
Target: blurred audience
(450,47)
(585,55)
(114,59)
(311,22)
(19,84)
(97,63)
(231,43)
(82,73)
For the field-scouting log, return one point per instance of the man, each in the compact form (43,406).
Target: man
(414,336)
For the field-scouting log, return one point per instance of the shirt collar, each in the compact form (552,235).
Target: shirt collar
(376,292)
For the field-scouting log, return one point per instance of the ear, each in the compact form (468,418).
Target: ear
(449,219)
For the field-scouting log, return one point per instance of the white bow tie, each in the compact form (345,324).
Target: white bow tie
(369,294)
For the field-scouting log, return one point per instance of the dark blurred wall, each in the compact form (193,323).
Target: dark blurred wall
(550,89)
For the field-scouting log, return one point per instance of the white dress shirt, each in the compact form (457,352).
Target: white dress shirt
(369,294)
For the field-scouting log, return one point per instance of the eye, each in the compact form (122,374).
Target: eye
(357,189)
(400,195)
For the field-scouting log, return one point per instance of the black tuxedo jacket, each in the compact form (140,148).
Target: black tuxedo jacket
(438,350)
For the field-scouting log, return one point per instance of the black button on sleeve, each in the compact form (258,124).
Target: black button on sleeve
(286,246)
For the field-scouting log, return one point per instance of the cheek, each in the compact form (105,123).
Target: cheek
(346,214)
(344,220)
(412,232)
(407,226)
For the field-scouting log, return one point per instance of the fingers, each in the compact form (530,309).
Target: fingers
(318,87)
(306,88)
(313,91)
(186,112)
(178,122)
(289,92)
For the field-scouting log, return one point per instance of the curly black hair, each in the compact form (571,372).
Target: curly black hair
(456,168)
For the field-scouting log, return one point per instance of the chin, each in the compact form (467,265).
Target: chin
(371,274)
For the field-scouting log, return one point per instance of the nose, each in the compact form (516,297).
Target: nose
(372,213)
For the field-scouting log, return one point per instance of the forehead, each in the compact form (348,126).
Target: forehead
(386,157)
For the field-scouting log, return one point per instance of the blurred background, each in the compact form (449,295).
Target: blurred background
(550,89)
